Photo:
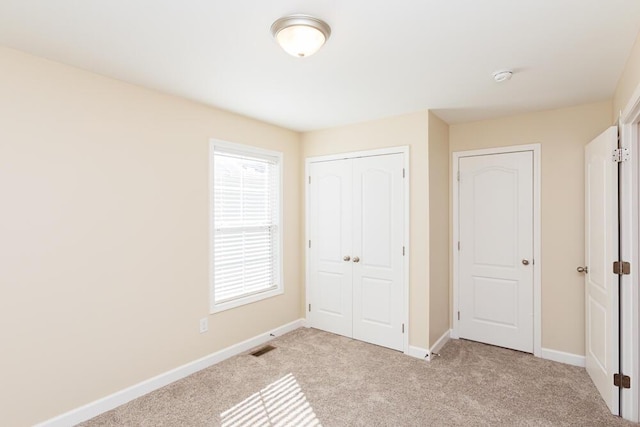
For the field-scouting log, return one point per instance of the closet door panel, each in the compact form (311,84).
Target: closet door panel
(378,229)
(330,225)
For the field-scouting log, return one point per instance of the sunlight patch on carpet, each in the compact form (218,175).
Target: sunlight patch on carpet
(281,403)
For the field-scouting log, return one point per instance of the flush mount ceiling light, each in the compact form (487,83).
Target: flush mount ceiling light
(502,75)
(300,35)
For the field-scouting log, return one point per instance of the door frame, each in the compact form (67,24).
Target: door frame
(537,264)
(405,188)
(629,120)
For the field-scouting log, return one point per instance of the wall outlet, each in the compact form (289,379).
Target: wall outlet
(204,325)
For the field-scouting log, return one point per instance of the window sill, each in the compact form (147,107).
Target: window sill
(217,308)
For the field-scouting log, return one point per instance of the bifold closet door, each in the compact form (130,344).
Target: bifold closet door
(330,231)
(356,234)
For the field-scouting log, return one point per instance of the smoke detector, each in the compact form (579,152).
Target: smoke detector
(502,75)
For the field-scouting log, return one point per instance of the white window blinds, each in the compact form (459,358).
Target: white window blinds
(246,239)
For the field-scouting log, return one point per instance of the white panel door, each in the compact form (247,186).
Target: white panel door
(601,234)
(330,219)
(378,213)
(496,249)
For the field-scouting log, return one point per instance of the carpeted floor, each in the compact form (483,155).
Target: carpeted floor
(315,378)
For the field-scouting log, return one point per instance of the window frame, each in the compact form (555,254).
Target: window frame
(249,151)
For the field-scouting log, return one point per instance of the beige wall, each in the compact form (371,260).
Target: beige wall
(408,130)
(439,248)
(104,235)
(629,81)
(104,226)
(562,134)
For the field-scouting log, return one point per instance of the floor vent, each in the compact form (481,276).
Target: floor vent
(263,350)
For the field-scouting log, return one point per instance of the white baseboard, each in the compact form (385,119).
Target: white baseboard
(422,353)
(439,343)
(545,353)
(121,397)
(562,357)
(417,352)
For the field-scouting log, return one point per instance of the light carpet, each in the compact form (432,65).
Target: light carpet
(315,378)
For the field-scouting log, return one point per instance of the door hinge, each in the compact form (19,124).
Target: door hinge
(309,244)
(403,251)
(458,244)
(622,381)
(403,328)
(458,177)
(309,179)
(403,172)
(309,307)
(458,315)
(620,155)
(621,268)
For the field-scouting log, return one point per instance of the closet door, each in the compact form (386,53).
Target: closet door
(330,233)
(377,256)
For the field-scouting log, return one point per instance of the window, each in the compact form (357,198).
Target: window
(246,244)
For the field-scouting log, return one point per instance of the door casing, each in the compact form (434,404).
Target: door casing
(537,265)
(405,278)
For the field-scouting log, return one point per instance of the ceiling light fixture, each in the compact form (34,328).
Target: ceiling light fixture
(300,35)
(502,75)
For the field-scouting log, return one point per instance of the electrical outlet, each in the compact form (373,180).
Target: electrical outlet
(204,325)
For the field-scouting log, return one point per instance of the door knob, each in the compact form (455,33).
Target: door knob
(584,270)
(525,261)
(346,258)
(356,259)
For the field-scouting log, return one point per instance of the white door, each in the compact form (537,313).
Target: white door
(496,249)
(378,213)
(330,274)
(601,236)
(356,227)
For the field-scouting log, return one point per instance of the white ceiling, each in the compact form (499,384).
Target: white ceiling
(384,57)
